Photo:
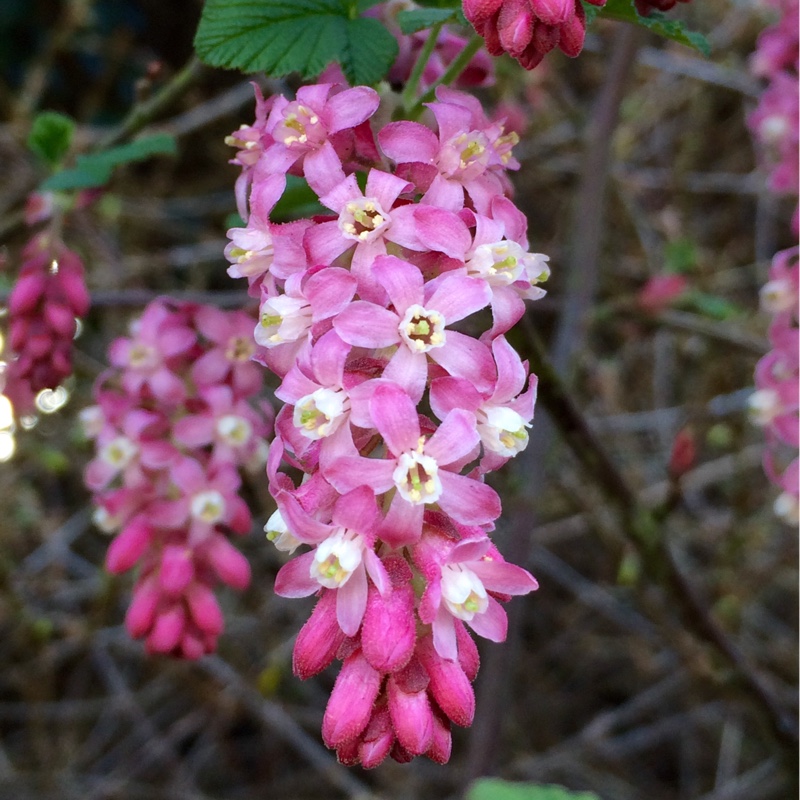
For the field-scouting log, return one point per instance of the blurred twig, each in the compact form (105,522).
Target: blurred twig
(642,529)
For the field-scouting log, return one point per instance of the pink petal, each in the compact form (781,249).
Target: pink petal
(375,569)
(294,578)
(328,358)
(322,169)
(389,632)
(454,438)
(341,194)
(444,193)
(468,501)
(348,473)
(351,107)
(329,291)
(395,417)
(449,685)
(408,141)
(507,311)
(325,243)
(465,357)
(194,431)
(444,634)
(385,187)
(408,370)
(442,231)
(403,281)
(510,371)
(449,393)
(499,576)
(364,324)
(492,624)
(357,511)
(351,601)
(458,296)
(402,524)
(300,523)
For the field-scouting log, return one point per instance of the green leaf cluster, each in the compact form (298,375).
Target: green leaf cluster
(304,36)
(95,169)
(51,136)
(496,789)
(658,23)
(420,19)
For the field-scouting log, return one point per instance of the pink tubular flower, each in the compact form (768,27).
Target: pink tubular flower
(166,480)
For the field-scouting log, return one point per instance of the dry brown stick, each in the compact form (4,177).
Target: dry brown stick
(641,527)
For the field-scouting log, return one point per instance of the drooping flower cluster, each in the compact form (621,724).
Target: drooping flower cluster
(173,425)
(776,402)
(529,29)
(49,296)
(774,123)
(358,317)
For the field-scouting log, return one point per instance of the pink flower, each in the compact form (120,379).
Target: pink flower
(460,577)
(418,325)
(416,466)
(304,130)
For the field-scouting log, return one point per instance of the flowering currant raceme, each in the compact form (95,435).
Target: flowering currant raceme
(395,301)
(174,423)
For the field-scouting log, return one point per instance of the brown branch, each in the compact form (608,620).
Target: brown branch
(641,528)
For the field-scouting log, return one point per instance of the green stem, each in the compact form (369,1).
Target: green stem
(144,113)
(410,91)
(457,66)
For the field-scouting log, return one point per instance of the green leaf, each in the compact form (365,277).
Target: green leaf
(95,169)
(421,18)
(51,136)
(283,36)
(496,789)
(297,201)
(658,23)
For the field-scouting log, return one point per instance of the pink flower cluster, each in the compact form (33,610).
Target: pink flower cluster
(172,426)
(776,402)
(48,297)
(529,29)
(393,413)
(774,123)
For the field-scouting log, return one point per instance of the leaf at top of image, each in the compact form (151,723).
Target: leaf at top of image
(655,21)
(496,789)
(304,36)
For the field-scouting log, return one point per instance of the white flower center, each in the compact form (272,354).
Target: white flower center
(763,406)
(499,264)
(363,220)
(462,592)
(422,330)
(786,508)
(239,349)
(417,477)
(465,156)
(92,420)
(337,558)
(320,413)
(142,356)
(208,506)
(119,452)
(777,296)
(502,430)
(104,521)
(234,431)
(282,319)
(278,533)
